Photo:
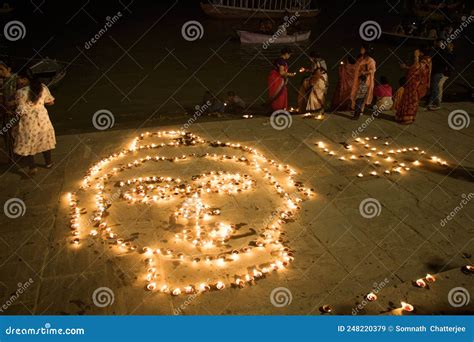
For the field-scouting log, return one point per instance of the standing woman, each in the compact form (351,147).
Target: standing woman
(417,84)
(342,96)
(365,65)
(277,80)
(312,94)
(34,133)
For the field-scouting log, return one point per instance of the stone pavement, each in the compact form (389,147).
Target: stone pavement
(343,250)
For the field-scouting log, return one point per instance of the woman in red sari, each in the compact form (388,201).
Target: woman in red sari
(365,65)
(342,96)
(277,80)
(417,84)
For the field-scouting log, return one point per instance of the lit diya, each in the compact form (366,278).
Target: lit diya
(325,308)
(420,283)
(371,297)
(468,269)
(430,278)
(407,307)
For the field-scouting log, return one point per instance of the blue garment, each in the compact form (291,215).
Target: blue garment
(434,97)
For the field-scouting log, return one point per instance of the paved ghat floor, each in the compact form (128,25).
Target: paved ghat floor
(375,233)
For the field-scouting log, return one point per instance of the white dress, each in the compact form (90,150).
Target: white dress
(34,133)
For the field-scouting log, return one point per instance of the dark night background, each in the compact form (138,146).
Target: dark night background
(147,74)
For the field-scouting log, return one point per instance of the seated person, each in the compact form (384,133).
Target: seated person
(397,98)
(234,104)
(383,94)
(211,104)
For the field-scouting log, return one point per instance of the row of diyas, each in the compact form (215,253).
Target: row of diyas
(193,209)
(379,157)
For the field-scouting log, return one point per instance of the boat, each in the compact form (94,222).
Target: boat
(50,71)
(247,37)
(406,37)
(260,9)
(6,8)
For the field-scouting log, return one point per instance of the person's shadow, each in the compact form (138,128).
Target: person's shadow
(458,171)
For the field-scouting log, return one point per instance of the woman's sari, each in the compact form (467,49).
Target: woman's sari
(342,96)
(277,90)
(418,82)
(312,94)
(367,66)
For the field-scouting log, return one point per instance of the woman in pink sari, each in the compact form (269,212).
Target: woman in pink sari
(342,96)
(365,65)
(417,85)
(277,80)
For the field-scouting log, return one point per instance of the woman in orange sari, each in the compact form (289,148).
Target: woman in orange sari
(342,96)
(417,84)
(365,65)
(277,80)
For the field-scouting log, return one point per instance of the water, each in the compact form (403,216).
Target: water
(145,73)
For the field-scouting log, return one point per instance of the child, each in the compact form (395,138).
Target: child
(360,97)
(383,94)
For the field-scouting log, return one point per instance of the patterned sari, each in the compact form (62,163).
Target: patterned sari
(277,90)
(342,96)
(364,65)
(418,82)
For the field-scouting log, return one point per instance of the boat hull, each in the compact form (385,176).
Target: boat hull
(228,12)
(407,38)
(247,37)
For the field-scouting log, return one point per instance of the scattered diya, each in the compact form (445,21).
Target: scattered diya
(407,307)
(371,297)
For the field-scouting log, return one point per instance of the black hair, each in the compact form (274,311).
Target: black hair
(286,50)
(36,89)
(368,50)
(351,60)
(362,78)
(383,80)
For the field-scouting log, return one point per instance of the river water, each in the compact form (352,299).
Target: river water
(146,73)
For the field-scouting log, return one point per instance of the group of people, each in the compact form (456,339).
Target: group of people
(431,31)
(26,127)
(357,88)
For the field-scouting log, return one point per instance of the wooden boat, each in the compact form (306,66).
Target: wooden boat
(403,37)
(6,8)
(247,37)
(258,8)
(50,71)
